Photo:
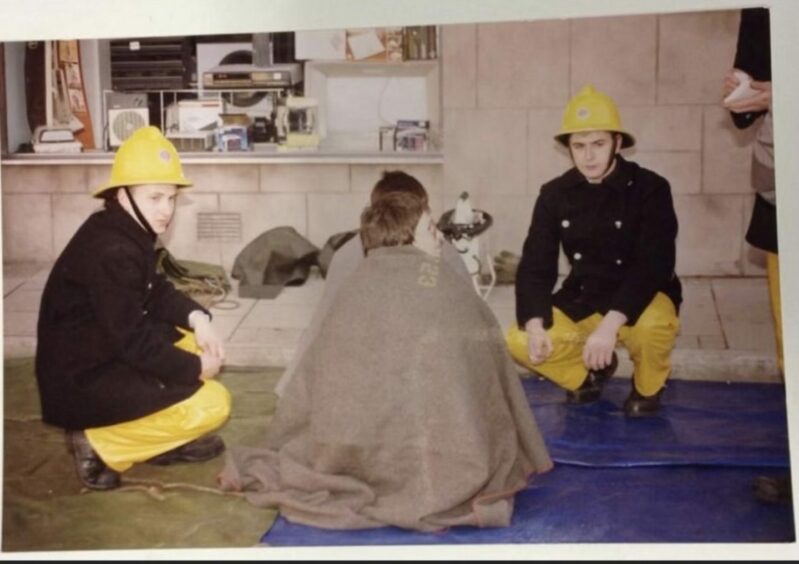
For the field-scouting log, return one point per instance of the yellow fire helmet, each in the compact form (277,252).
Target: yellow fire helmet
(592,110)
(146,157)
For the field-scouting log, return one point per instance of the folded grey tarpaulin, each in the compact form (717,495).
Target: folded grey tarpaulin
(277,258)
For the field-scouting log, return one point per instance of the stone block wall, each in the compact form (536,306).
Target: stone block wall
(504,89)
(43,205)
(504,86)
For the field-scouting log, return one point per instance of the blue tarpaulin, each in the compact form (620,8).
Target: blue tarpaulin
(710,423)
(684,475)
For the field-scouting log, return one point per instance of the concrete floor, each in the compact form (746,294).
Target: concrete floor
(726,334)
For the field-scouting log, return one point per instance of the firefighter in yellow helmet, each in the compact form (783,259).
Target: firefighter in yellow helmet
(124,362)
(616,224)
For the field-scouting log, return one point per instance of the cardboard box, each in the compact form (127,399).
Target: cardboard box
(383,44)
(192,140)
(194,115)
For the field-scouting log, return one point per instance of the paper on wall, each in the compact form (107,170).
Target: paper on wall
(320,45)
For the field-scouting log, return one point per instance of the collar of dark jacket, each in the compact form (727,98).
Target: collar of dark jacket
(120,220)
(619,179)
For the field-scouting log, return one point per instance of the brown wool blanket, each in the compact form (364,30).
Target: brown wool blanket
(406,410)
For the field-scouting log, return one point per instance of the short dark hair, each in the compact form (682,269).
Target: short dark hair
(615,136)
(109,196)
(397,181)
(391,220)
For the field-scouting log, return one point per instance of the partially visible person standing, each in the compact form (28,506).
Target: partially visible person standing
(753,59)
(124,362)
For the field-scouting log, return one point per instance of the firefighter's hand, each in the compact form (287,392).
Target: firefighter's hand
(211,364)
(539,343)
(205,335)
(598,349)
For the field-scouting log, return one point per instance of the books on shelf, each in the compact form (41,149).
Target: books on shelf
(375,44)
(420,43)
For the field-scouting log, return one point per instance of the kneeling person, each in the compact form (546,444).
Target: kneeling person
(125,362)
(617,226)
(406,409)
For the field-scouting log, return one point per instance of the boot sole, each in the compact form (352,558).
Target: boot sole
(183,459)
(209,453)
(638,412)
(583,396)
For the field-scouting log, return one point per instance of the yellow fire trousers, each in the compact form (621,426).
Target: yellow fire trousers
(122,445)
(773,273)
(649,342)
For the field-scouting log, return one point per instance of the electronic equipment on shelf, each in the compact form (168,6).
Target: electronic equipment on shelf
(251,76)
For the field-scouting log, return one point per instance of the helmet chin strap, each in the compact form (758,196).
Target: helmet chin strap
(137,212)
(612,157)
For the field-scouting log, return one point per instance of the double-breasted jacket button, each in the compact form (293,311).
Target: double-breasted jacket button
(565,223)
(578,256)
(149,285)
(144,312)
(618,261)
(618,224)
(629,183)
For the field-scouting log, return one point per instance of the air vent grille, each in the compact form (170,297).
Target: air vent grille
(219,226)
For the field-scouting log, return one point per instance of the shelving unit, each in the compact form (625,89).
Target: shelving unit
(362,95)
(150,63)
(164,98)
(371,95)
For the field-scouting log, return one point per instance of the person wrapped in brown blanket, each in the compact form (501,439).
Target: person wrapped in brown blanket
(407,409)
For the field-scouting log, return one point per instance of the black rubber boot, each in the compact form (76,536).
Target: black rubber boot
(637,405)
(591,388)
(92,471)
(199,450)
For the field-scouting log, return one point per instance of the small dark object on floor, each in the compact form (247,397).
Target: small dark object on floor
(505,265)
(773,489)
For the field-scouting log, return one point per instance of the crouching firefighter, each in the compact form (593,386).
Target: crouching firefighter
(124,362)
(617,226)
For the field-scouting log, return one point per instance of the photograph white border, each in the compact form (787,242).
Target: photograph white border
(93,19)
